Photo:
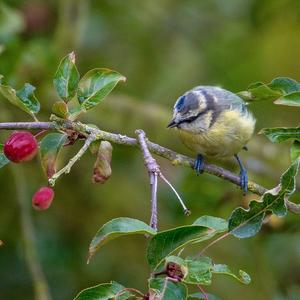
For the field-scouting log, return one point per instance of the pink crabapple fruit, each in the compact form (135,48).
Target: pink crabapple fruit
(42,199)
(20,146)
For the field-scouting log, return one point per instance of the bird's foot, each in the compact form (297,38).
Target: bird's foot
(243,176)
(199,163)
(244,181)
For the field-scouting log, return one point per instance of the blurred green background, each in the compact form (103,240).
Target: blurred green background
(163,48)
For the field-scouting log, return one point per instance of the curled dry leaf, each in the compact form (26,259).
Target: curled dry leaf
(102,168)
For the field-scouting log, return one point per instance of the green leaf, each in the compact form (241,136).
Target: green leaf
(218,224)
(95,85)
(166,242)
(23,98)
(26,95)
(74,109)
(258,92)
(194,270)
(285,85)
(3,160)
(284,90)
(280,134)
(50,146)
(66,78)
(292,99)
(246,223)
(164,289)
(199,270)
(116,228)
(61,109)
(200,296)
(242,277)
(105,291)
(295,150)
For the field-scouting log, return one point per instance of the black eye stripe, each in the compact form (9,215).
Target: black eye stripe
(192,118)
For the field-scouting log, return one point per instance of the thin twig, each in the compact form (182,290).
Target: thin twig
(153,187)
(153,167)
(132,290)
(40,133)
(223,236)
(73,160)
(187,212)
(174,157)
(202,291)
(153,171)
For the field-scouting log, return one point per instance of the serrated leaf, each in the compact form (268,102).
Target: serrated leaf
(50,146)
(246,223)
(218,224)
(285,85)
(295,150)
(242,277)
(116,228)
(166,242)
(281,134)
(23,98)
(164,289)
(200,296)
(26,95)
(66,78)
(3,159)
(95,85)
(105,291)
(60,109)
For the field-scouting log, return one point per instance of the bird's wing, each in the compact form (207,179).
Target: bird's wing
(225,99)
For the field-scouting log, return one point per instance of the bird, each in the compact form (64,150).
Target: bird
(214,123)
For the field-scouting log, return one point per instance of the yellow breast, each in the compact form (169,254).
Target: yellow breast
(226,137)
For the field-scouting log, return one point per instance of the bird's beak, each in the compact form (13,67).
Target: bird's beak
(172,124)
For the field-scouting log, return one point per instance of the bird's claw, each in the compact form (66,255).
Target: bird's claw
(199,163)
(244,181)
(243,175)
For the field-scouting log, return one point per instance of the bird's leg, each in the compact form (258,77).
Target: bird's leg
(199,164)
(243,175)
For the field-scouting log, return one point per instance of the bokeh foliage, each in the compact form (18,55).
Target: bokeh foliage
(163,48)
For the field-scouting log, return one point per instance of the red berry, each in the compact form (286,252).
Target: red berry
(42,199)
(20,146)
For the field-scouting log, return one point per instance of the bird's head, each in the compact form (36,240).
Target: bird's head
(194,111)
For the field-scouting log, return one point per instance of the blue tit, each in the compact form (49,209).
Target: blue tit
(213,123)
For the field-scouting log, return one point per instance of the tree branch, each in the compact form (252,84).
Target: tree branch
(154,172)
(73,160)
(175,158)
